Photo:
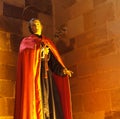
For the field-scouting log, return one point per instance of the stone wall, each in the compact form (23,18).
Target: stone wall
(95,59)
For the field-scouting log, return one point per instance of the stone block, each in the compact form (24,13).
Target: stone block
(98,2)
(3,106)
(101,49)
(19,3)
(25,28)
(42,6)
(114,33)
(75,56)
(80,7)
(89,20)
(7,88)
(97,34)
(48,32)
(87,67)
(9,58)
(97,101)
(113,28)
(60,18)
(75,26)
(15,40)
(101,64)
(7,72)
(9,24)
(1,7)
(4,41)
(81,85)
(112,114)
(96,82)
(67,3)
(6,117)
(77,104)
(12,11)
(7,108)
(46,20)
(99,16)
(115,99)
(89,115)
(10,106)
(108,62)
(117,8)
(108,80)
(105,13)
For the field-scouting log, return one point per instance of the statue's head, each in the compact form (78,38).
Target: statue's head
(35,26)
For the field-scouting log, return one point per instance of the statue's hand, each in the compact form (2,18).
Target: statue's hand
(67,72)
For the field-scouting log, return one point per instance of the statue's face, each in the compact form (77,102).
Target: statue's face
(36,27)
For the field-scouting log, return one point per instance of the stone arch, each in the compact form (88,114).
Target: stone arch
(33,7)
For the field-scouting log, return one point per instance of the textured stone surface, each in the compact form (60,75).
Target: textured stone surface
(101,49)
(112,115)
(7,109)
(44,6)
(6,88)
(12,11)
(105,80)
(96,56)
(4,41)
(3,106)
(15,40)
(97,101)
(68,3)
(80,8)
(89,115)
(81,86)
(117,8)
(77,103)
(102,64)
(99,16)
(1,8)
(7,72)
(6,117)
(10,105)
(7,57)
(10,24)
(18,3)
(98,2)
(115,99)
(72,58)
(75,26)
(96,34)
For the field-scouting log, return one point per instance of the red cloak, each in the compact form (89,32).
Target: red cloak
(28,96)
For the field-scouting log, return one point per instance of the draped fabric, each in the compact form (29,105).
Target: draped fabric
(38,97)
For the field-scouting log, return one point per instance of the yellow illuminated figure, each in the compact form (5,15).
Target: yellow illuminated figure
(42,85)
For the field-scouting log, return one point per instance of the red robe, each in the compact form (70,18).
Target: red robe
(28,90)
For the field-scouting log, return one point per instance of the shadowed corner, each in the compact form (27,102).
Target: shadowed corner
(112,115)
